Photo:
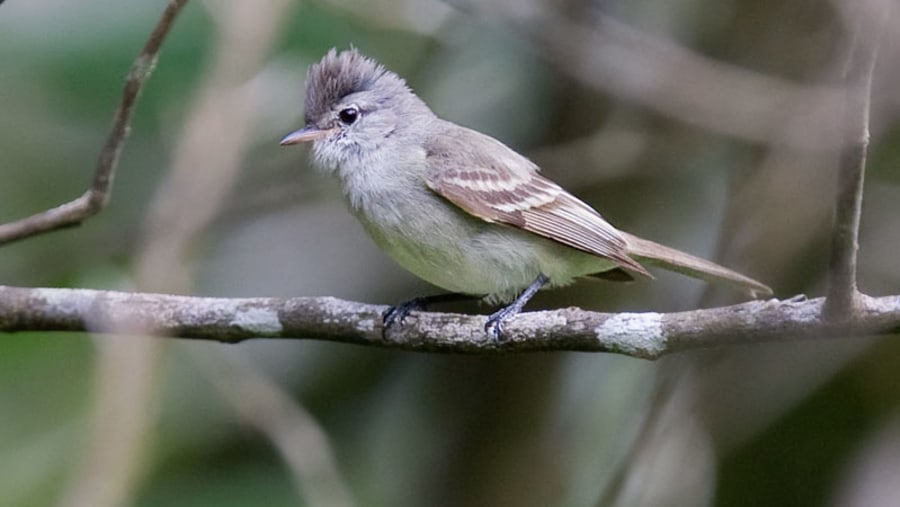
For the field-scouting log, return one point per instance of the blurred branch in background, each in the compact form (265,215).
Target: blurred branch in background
(97,196)
(205,165)
(265,405)
(609,56)
(126,384)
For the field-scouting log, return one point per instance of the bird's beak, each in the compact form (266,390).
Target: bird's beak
(306,134)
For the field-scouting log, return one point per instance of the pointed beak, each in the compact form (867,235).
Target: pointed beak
(306,134)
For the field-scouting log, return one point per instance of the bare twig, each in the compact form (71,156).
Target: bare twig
(643,335)
(843,295)
(97,196)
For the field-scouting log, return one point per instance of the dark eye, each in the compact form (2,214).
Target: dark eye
(349,115)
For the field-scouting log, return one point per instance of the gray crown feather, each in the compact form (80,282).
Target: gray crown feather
(340,74)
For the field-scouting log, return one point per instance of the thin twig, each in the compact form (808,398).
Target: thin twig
(97,196)
(843,295)
(643,335)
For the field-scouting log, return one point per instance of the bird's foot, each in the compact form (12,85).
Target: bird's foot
(494,325)
(399,312)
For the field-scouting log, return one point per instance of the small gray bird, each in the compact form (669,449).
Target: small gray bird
(458,208)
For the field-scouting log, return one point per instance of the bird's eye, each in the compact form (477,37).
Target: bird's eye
(349,115)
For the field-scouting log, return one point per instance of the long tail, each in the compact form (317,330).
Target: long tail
(655,254)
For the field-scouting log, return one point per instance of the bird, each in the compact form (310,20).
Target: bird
(459,208)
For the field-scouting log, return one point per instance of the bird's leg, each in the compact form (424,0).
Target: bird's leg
(399,312)
(494,325)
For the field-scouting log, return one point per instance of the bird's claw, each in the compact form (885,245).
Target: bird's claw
(494,330)
(398,313)
(495,323)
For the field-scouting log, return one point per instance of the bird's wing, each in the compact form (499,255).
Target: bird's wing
(492,182)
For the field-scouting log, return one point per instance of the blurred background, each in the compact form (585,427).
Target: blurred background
(709,125)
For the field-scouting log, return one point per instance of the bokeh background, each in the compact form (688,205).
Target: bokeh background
(709,125)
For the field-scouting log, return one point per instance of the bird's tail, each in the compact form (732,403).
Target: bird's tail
(647,251)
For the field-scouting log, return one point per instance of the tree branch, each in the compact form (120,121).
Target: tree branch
(97,196)
(642,335)
(843,294)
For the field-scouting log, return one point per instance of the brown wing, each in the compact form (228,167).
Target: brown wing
(492,182)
